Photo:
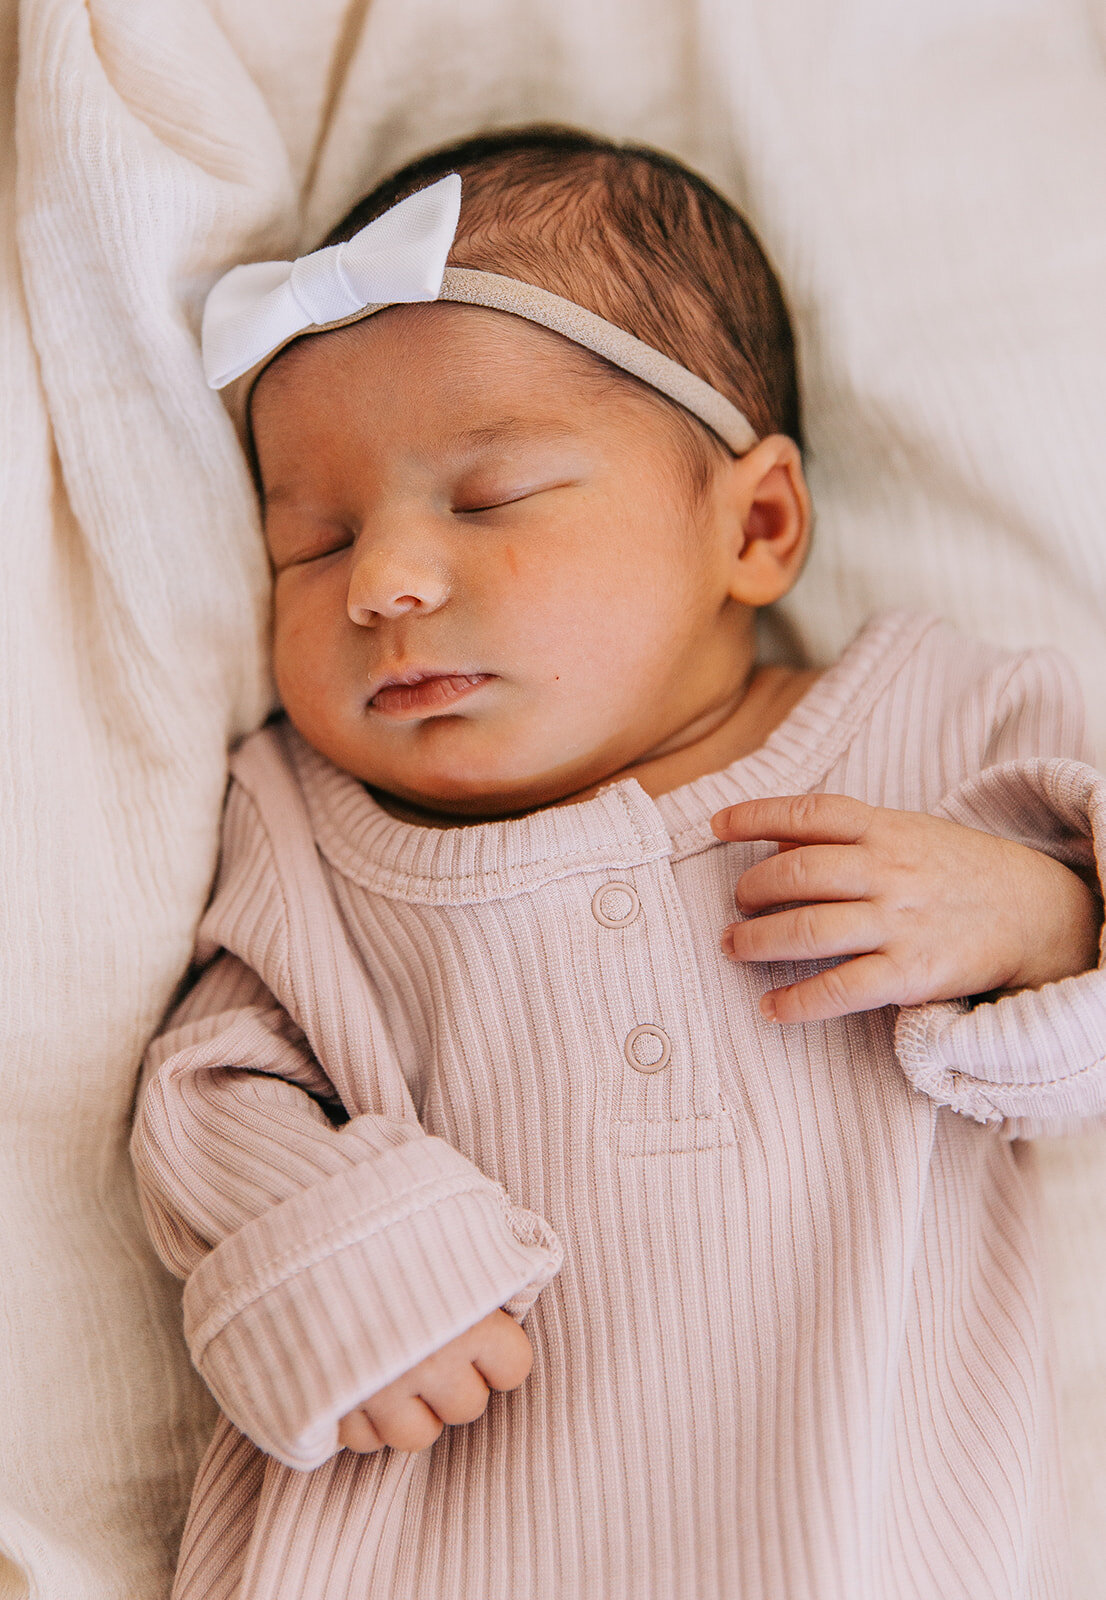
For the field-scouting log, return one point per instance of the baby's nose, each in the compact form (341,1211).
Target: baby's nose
(391,584)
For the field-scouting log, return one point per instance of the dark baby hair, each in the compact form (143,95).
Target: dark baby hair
(630,234)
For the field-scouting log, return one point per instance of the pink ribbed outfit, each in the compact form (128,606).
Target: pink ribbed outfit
(782,1283)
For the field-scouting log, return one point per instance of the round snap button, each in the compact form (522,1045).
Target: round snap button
(647,1048)
(615,905)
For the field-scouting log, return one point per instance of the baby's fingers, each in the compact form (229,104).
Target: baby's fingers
(462,1399)
(806,933)
(501,1352)
(862,985)
(405,1422)
(796,818)
(356,1432)
(805,872)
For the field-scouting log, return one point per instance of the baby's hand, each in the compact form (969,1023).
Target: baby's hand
(452,1385)
(928,909)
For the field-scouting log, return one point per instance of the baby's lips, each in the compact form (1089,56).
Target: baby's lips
(426,694)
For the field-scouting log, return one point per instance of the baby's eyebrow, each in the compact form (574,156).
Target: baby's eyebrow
(506,429)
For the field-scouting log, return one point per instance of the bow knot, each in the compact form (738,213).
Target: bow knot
(320,287)
(398,258)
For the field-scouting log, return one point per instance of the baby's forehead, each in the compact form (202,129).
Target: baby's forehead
(469,353)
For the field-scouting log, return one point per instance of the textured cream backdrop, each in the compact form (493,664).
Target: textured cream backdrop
(931,181)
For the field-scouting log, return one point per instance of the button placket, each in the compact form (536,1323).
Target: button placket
(647,1047)
(660,1081)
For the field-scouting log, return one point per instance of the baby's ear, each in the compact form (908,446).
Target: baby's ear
(769,514)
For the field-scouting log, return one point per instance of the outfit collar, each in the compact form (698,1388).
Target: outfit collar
(619,828)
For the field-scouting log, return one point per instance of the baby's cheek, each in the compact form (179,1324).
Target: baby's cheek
(296,667)
(315,688)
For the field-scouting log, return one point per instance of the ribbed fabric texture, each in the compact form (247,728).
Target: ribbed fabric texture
(785,1307)
(929,181)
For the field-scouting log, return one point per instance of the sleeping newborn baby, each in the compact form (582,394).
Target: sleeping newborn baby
(550,1226)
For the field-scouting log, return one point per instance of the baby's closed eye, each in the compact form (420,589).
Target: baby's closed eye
(294,542)
(496,496)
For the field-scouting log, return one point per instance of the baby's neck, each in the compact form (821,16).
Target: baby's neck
(770,695)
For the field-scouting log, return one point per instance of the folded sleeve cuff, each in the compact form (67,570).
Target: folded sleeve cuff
(1036,1060)
(322,1300)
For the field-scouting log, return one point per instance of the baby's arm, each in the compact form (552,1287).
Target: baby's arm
(323,1256)
(919,908)
(329,1244)
(925,909)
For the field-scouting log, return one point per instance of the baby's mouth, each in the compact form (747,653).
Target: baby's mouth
(424,694)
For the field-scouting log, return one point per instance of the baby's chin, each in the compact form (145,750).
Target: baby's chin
(445,775)
(462,794)
(455,805)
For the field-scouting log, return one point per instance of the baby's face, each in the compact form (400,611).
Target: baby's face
(495,585)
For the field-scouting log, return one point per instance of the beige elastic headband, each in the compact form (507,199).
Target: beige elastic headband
(255,311)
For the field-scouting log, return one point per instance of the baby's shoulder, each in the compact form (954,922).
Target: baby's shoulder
(963,674)
(258,760)
(941,705)
(269,873)
(266,810)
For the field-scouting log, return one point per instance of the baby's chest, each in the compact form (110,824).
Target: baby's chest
(576,1012)
(597,1015)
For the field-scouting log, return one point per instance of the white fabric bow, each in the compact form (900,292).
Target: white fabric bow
(399,257)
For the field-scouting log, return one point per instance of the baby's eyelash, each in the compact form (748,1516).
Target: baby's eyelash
(490,505)
(318,555)
(512,499)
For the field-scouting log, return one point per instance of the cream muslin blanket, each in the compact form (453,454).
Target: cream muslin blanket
(931,181)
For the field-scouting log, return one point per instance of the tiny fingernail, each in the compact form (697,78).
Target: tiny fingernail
(727,942)
(768,1007)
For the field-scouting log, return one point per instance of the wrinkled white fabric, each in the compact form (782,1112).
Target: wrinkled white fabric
(930,181)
